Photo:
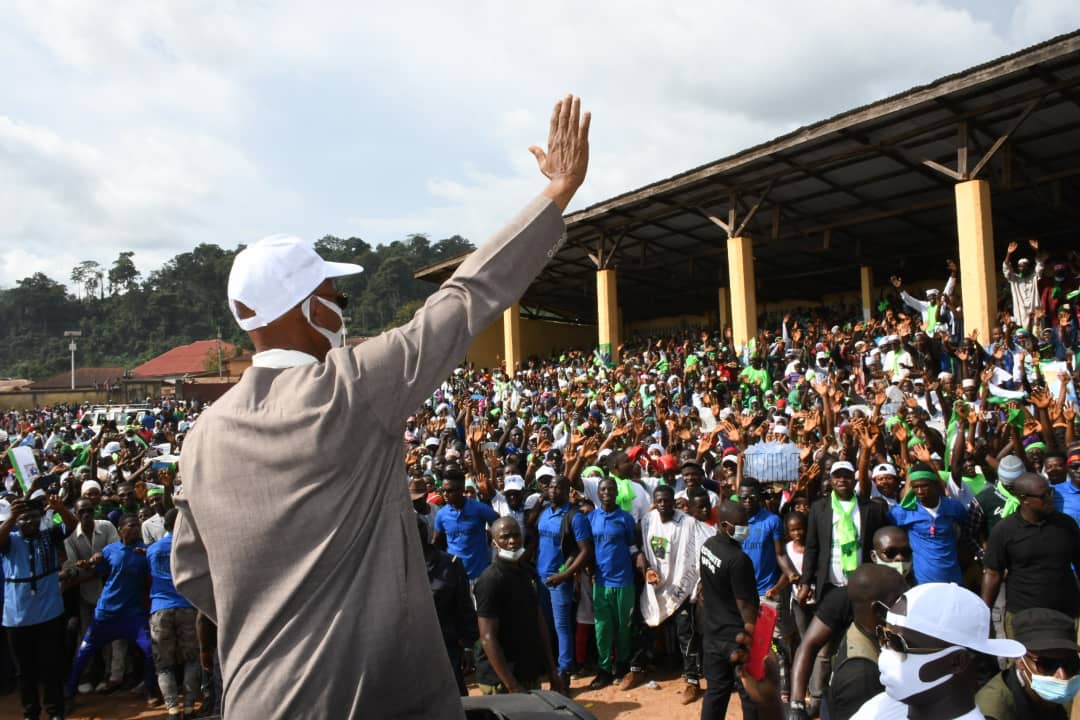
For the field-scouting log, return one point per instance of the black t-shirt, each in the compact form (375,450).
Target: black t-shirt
(835,610)
(992,505)
(507,592)
(1039,559)
(854,682)
(726,574)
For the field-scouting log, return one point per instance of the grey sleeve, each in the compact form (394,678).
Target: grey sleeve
(399,368)
(190,564)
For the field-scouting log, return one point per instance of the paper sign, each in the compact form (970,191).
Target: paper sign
(26,467)
(772,462)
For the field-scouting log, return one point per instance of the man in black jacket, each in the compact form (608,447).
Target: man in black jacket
(453,603)
(838,535)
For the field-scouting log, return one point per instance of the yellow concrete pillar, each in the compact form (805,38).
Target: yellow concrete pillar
(607,314)
(512,338)
(740,257)
(866,279)
(724,304)
(978,283)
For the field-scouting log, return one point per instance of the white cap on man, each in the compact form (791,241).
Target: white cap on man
(948,612)
(274,275)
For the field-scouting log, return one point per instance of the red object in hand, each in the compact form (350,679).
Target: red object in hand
(762,642)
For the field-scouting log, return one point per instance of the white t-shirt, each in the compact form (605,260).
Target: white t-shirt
(883,707)
(642,497)
(502,507)
(836,568)
(714,499)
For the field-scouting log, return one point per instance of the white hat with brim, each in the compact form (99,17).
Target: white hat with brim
(948,612)
(275,274)
(544,471)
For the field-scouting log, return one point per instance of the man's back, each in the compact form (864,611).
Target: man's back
(313,612)
(320,593)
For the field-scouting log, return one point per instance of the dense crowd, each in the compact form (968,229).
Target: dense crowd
(588,517)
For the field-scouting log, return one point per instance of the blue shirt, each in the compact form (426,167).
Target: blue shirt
(465,531)
(163,595)
(549,555)
(125,584)
(765,529)
(613,536)
(1067,499)
(934,540)
(31,603)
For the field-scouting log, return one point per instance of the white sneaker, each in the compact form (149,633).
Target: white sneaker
(101,686)
(85,688)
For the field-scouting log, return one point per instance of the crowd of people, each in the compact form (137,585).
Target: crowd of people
(903,493)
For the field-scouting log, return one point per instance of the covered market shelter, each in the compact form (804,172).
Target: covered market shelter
(953,169)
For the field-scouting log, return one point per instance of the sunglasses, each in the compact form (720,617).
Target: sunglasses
(893,553)
(895,641)
(1050,665)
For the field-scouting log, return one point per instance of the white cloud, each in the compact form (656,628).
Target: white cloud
(156,126)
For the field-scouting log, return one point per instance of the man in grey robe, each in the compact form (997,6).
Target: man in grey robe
(320,594)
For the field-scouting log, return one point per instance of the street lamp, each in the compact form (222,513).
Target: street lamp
(72,347)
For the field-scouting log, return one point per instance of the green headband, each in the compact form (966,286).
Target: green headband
(1037,445)
(923,475)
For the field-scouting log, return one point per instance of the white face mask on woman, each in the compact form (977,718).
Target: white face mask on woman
(900,672)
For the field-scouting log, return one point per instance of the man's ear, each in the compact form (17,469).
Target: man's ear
(243,310)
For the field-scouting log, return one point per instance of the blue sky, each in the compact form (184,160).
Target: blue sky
(156,126)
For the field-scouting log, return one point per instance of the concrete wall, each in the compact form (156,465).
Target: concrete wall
(671,323)
(27,400)
(538,337)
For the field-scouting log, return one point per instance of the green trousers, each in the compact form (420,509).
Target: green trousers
(612,608)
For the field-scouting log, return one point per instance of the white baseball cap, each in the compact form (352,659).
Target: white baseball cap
(951,613)
(883,469)
(543,471)
(275,274)
(513,482)
(841,465)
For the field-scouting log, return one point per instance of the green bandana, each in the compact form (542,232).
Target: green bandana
(910,502)
(975,484)
(846,534)
(1012,503)
(626,494)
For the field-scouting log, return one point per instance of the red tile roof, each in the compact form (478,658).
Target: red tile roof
(84,377)
(184,360)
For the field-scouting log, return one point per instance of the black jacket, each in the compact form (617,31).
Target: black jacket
(815,569)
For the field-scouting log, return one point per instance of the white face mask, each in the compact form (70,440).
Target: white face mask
(337,339)
(739,532)
(511,555)
(900,672)
(901,566)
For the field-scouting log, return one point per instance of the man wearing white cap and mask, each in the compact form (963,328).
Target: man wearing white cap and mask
(929,640)
(1023,282)
(318,619)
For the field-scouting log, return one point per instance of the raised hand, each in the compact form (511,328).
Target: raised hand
(1040,398)
(1013,246)
(1033,243)
(567,158)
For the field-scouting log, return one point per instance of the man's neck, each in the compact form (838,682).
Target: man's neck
(953,705)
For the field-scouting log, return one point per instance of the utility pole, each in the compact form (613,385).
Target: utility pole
(72,347)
